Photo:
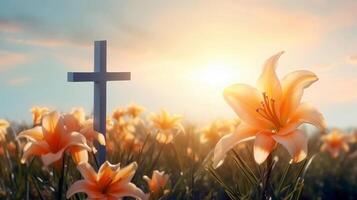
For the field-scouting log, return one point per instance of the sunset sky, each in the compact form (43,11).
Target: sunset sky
(181,54)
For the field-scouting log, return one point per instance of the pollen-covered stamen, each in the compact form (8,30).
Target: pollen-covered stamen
(268,111)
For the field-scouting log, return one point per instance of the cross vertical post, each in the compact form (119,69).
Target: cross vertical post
(100,76)
(100,94)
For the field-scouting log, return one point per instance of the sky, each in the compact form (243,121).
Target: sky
(181,54)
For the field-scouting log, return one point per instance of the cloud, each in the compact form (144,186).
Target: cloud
(342,16)
(18,81)
(11,59)
(333,90)
(81,62)
(352,59)
(9,26)
(46,42)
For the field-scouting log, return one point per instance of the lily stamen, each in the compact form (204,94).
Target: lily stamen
(267,111)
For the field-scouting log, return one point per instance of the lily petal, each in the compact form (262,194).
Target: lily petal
(79,154)
(71,122)
(295,142)
(305,113)
(92,135)
(268,81)
(345,147)
(74,139)
(85,187)
(33,134)
(106,173)
(53,128)
(128,190)
(34,149)
(87,172)
(227,142)
(263,145)
(50,158)
(125,174)
(293,85)
(245,100)
(335,152)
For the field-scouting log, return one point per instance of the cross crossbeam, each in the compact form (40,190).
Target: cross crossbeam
(97,76)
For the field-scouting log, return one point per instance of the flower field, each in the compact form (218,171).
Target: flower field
(266,152)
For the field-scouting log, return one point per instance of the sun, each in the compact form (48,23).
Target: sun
(216,75)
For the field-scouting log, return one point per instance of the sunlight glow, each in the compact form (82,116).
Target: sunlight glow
(216,75)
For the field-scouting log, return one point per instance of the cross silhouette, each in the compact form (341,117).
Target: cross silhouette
(100,76)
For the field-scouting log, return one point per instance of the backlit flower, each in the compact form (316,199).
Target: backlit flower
(134,110)
(130,142)
(119,114)
(271,114)
(4,125)
(51,140)
(334,143)
(76,121)
(111,182)
(121,127)
(157,182)
(164,137)
(37,113)
(217,129)
(165,123)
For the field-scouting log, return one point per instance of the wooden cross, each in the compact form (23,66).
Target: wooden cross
(100,76)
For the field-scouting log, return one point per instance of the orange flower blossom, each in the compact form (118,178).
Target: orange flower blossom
(52,139)
(334,142)
(157,181)
(110,183)
(165,123)
(37,113)
(271,114)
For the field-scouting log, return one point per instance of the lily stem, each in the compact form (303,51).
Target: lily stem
(268,170)
(157,157)
(61,180)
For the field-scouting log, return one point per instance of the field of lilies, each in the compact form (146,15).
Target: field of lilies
(267,152)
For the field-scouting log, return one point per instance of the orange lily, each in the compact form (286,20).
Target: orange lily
(4,125)
(121,130)
(122,127)
(52,139)
(109,183)
(157,182)
(216,130)
(134,110)
(334,143)
(37,113)
(119,114)
(165,122)
(271,114)
(129,141)
(76,121)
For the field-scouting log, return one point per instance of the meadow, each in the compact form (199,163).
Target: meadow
(266,153)
(186,159)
